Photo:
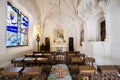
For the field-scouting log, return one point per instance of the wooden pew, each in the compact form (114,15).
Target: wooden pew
(32,72)
(18,62)
(9,73)
(108,72)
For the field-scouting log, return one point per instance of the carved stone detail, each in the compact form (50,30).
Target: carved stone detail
(87,8)
(104,4)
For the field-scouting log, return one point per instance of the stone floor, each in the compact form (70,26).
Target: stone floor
(59,72)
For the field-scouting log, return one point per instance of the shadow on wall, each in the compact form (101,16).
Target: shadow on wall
(5,59)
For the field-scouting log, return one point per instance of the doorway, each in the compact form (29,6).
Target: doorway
(103,30)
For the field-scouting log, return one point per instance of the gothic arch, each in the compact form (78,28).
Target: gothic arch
(83,33)
(101,27)
(81,37)
(102,30)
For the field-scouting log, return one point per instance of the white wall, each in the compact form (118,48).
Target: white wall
(99,50)
(112,17)
(6,54)
(2,26)
(115,30)
(92,29)
(64,15)
(106,52)
(67,19)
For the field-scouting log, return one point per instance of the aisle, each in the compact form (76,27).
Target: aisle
(59,72)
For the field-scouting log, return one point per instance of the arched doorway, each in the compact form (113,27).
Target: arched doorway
(103,30)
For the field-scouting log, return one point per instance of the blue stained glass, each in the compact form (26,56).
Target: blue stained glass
(17,27)
(24,30)
(25,22)
(11,27)
(16,10)
(8,4)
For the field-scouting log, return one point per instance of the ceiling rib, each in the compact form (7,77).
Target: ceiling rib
(36,9)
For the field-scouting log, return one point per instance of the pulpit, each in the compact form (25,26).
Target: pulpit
(59,47)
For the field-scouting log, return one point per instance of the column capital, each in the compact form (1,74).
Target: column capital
(87,8)
(104,4)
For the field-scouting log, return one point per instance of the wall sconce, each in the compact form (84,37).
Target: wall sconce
(38,40)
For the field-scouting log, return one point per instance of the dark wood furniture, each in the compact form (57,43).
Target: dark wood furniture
(38,55)
(74,70)
(29,61)
(1,68)
(0,73)
(18,62)
(42,61)
(47,55)
(107,71)
(57,57)
(28,55)
(117,67)
(60,57)
(71,55)
(76,60)
(82,55)
(86,71)
(31,72)
(89,60)
(10,73)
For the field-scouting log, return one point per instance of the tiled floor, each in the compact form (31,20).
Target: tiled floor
(59,72)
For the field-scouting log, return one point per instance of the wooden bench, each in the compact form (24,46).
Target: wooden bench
(18,62)
(42,61)
(32,72)
(10,72)
(108,71)
(28,55)
(74,70)
(76,60)
(38,55)
(29,61)
(87,71)
(117,67)
(89,60)
(1,68)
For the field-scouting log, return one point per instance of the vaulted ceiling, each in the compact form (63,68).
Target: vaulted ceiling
(56,10)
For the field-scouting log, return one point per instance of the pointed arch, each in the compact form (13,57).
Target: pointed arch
(102,27)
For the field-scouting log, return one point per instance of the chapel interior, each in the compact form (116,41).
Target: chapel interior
(59,40)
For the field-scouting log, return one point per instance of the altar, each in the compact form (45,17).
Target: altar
(59,43)
(59,47)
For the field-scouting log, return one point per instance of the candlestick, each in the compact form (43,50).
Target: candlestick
(38,40)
